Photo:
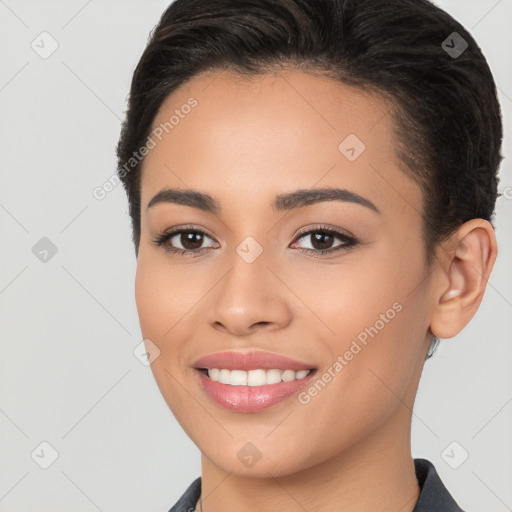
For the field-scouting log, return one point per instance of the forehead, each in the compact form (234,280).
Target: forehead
(252,137)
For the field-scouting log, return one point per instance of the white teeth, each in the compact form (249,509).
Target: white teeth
(288,375)
(238,378)
(258,377)
(273,377)
(224,376)
(214,374)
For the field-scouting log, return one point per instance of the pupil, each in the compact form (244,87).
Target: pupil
(187,240)
(325,240)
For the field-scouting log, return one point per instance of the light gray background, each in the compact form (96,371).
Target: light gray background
(68,375)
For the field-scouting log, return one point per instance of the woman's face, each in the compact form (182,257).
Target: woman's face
(337,283)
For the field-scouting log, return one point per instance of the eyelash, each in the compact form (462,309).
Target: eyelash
(350,241)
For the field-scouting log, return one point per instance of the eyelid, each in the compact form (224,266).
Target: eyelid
(185,227)
(324,227)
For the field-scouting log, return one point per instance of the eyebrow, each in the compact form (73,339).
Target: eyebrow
(288,201)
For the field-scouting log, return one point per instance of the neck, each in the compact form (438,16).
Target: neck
(375,473)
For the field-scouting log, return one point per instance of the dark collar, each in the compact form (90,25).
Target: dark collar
(434,497)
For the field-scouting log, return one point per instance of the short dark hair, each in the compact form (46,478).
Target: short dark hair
(445,109)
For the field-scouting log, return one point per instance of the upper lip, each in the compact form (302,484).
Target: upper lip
(250,361)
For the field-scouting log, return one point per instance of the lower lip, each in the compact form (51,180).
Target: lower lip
(251,398)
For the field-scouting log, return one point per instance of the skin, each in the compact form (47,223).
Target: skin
(245,142)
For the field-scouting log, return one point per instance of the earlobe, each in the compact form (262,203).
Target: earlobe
(471,252)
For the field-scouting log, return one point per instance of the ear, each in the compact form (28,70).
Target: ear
(465,263)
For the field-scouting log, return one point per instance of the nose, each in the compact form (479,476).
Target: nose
(249,298)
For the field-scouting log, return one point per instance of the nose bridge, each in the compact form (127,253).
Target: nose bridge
(249,293)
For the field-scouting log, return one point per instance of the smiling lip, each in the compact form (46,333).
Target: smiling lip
(250,361)
(250,398)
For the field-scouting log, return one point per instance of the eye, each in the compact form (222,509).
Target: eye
(184,240)
(189,240)
(322,238)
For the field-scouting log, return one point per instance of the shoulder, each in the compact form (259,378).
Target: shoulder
(434,497)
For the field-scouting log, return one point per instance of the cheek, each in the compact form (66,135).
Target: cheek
(148,298)
(377,314)
(160,307)
(168,298)
(369,377)
(163,294)
(350,297)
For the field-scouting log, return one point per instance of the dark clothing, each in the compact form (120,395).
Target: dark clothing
(434,497)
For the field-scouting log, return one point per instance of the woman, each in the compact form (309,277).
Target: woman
(311,186)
